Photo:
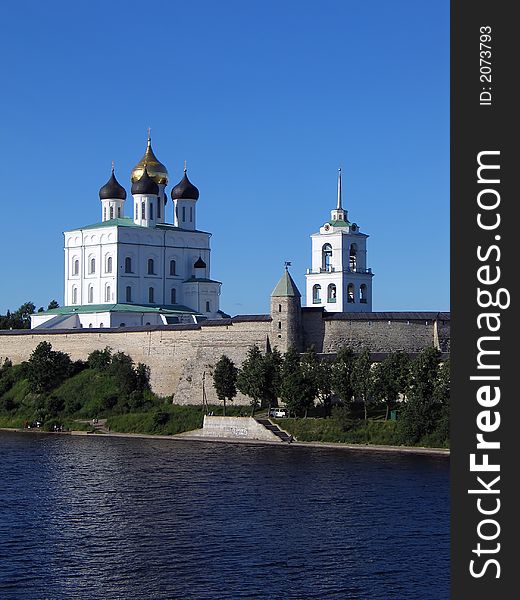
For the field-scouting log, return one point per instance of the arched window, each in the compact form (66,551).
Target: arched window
(75,267)
(150,266)
(118,212)
(90,325)
(111,212)
(207,306)
(363,293)
(128,265)
(316,289)
(151,211)
(136,212)
(121,324)
(150,295)
(104,213)
(326,257)
(159,200)
(92,265)
(128,296)
(109,264)
(74,295)
(107,293)
(90,294)
(331,293)
(173,296)
(143,210)
(279,308)
(173,267)
(191,214)
(183,214)
(101,325)
(350,293)
(353,257)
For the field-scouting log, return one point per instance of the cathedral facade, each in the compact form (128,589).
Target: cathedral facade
(139,270)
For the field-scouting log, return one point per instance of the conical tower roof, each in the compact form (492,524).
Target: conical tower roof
(185,189)
(145,184)
(112,190)
(156,170)
(286,288)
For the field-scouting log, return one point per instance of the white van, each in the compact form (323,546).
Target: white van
(278,413)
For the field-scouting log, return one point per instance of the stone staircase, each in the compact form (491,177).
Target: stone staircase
(280,433)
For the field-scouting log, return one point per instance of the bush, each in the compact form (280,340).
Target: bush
(160,418)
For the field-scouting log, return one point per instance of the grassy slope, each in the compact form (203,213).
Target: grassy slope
(91,393)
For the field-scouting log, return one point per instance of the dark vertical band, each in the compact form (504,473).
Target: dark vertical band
(486,257)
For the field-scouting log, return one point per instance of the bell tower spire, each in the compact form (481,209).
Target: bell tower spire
(339,189)
(339,214)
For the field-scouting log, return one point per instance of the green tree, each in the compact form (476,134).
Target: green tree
(419,416)
(342,374)
(321,371)
(53,304)
(142,378)
(441,394)
(298,389)
(251,378)
(272,375)
(100,359)
(424,370)
(225,380)
(362,379)
(21,318)
(122,369)
(391,378)
(47,368)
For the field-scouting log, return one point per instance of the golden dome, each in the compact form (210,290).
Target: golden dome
(157,171)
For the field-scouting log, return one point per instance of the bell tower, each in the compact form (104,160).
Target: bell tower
(339,279)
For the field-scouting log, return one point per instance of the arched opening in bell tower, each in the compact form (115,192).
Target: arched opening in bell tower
(350,293)
(326,257)
(353,257)
(363,293)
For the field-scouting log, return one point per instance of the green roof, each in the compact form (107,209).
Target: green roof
(121,222)
(96,308)
(286,287)
(339,223)
(128,222)
(200,280)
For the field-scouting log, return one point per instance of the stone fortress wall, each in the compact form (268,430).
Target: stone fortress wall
(181,357)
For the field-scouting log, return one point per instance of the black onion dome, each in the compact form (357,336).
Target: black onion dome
(185,190)
(200,264)
(112,190)
(145,185)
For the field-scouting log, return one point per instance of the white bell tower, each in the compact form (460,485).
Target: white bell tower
(339,279)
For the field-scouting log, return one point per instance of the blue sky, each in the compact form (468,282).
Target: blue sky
(265,100)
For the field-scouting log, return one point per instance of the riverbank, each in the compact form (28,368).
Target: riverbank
(193,438)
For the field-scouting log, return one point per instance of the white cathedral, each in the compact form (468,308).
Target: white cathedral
(139,270)
(142,271)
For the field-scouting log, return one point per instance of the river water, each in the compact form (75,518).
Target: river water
(105,517)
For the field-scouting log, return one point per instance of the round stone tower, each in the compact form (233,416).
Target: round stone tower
(286,314)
